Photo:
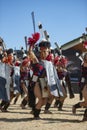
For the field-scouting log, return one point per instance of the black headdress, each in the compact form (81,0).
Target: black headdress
(44,44)
(9,51)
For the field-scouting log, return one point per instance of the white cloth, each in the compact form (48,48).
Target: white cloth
(16,79)
(5,71)
(52,79)
(17,70)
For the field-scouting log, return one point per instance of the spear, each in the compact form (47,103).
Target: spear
(25,42)
(59,50)
(33,20)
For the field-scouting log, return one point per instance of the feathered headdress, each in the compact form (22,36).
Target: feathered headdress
(32,40)
(60,60)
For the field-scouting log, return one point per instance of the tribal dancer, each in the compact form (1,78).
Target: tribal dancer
(24,78)
(5,73)
(44,79)
(83,85)
(16,81)
(60,63)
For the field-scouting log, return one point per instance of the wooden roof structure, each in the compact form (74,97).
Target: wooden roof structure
(76,44)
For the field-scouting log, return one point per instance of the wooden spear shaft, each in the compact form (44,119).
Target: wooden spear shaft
(33,20)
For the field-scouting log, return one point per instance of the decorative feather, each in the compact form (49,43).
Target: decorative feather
(32,40)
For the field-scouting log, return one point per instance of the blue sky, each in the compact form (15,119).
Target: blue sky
(64,20)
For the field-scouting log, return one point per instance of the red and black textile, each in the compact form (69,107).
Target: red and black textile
(84,72)
(38,69)
(83,79)
(61,75)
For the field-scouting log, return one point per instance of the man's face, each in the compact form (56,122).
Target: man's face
(44,53)
(10,58)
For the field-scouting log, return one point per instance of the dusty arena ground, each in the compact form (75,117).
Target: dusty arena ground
(21,119)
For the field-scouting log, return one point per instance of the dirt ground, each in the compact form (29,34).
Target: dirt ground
(21,119)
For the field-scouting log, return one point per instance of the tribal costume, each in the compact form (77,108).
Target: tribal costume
(60,63)
(38,74)
(6,73)
(83,86)
(43,73)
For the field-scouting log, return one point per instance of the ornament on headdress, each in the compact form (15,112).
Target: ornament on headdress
(44,33)
(32,40)
(41,29)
